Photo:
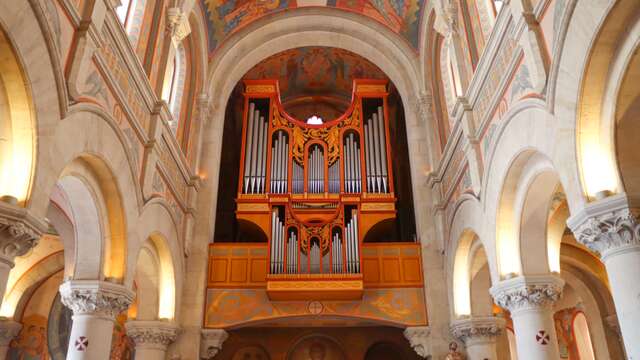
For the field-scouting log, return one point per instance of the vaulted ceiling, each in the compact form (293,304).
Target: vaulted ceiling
(224,17)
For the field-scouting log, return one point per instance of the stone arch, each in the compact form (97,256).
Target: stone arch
(467,256)
(35,54)
(162,245)
(525,148)
(313,27)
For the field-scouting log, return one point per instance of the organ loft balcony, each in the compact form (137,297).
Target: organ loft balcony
(316,213)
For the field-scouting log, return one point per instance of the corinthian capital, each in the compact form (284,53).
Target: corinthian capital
(152,334)
(19,231)
(177,24)
(477,328)
(212,340)
(527,292)
(607,226)
(418,337)
(98,298)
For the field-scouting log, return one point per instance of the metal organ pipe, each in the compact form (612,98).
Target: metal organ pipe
(248,147)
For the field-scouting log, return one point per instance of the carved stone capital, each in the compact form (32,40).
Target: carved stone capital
(418,337)
(527,292)
(607,226)
(477,329)
(177,24)
(152,334)
(212,340)
(19,231)
(9,329)
(96,298)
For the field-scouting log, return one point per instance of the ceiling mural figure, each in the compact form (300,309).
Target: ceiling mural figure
(227,16)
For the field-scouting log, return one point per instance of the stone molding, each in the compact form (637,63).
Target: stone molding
(212,340)
(153,334)
(97,298)
(477,328)
(9,329)
(607,226)
(527,292)
(19,231)
(418,337)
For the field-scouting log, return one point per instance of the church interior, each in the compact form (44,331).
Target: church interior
(319,179)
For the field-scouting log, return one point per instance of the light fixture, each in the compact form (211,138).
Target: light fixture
(314,120)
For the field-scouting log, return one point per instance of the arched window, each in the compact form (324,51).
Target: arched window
(174,80)
(131,14)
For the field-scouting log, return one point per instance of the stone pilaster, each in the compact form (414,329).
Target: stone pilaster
(95,305)
(151,338)
(479,335)
(418,337)
(530,300)
(211,343)
(610,228)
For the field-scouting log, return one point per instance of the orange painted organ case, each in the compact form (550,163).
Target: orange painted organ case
(315,188)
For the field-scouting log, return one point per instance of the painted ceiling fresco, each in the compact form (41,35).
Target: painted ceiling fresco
(227,16)
(315,70)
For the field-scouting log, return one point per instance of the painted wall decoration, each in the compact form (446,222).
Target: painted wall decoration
(227,16)
(228,307)
(315,70)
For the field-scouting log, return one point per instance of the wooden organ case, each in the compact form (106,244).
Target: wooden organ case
(315,189)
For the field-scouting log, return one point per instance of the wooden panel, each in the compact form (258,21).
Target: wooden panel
(258,270)
(392,265)
(238,270)
(237,265)
(218,270)
(371,270)
(391,270)
(411,269)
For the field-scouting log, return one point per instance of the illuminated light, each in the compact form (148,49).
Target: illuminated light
(314,120)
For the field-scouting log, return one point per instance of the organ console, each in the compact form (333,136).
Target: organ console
(315,189)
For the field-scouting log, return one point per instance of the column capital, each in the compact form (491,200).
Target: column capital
(9,329)
(19,231)
(527,292)
(93,297)
(418,337)
(607,226)
(152,334)
(477,328)
(212,340)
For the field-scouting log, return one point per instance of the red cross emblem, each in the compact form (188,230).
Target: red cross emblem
(82,343)
(542,337)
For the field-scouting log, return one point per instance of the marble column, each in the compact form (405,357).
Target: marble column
(9,329)
(19,233)
(609,228)
(530,300)
(151,338)
(479,335)
(418,337)
(95,305)
(211,342)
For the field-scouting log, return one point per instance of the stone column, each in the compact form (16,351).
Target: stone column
(418,337)
(479,335)
(211,342)
(19,233)
(95,305)
(530,300)
(151,338)
(611,229)
(9,329)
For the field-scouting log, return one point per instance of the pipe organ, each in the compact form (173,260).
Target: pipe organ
(315,189)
